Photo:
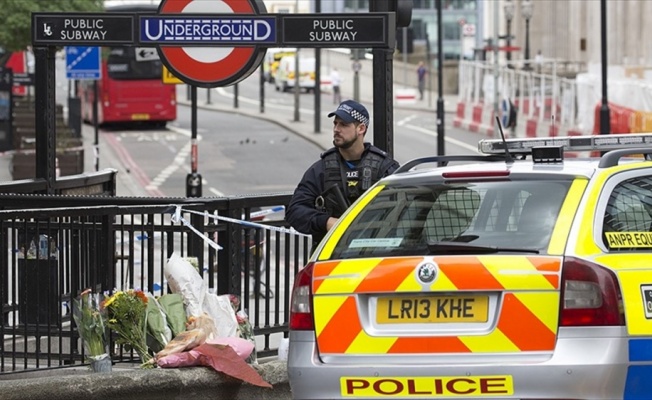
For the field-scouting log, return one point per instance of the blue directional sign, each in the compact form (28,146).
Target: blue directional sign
(215,30)
(83,62)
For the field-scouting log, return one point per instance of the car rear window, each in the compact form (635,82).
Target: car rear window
(479,217)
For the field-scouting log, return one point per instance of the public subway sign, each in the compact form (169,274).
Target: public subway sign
(82,29)
(202,30)
(337,30)
(213,43)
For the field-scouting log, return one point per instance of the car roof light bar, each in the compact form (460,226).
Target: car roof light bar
(569,143)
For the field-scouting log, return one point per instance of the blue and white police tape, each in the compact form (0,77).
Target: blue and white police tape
(267,211)
(176,217)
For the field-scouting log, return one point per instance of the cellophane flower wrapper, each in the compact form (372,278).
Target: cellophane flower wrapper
(172,305)
(158,331)
(91,319)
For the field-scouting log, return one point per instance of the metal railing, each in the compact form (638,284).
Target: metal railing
(57,246)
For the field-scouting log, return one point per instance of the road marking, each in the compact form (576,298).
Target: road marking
(224,93)
(446,138)
(216,192)
(405,120)
(178,162)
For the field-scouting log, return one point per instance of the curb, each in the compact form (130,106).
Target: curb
(157,384)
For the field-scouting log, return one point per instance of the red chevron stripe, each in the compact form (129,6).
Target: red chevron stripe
(468,273)
(388,275)
(411,345)
(548,264)
(341,330)
(522,327)
(321,270)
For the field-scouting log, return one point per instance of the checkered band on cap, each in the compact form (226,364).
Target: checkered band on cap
(360,117)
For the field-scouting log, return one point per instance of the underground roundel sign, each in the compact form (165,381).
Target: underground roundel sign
(211,66)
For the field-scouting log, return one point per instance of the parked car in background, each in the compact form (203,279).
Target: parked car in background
(285,75)
(273,59)
(517,273)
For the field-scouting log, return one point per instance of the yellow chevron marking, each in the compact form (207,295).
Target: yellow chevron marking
(496,341)
(325,308)
(365,344)
(347,275)
(566,214)
(410,283)
(544,305)
(515,272)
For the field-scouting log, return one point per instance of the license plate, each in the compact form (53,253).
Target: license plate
(139,117)
(431,309)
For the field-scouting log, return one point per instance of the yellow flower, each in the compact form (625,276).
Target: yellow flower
(111,299)
(127,313)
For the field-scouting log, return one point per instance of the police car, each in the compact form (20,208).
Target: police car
(520,272)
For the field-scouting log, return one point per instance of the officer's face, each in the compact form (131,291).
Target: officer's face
(346,134)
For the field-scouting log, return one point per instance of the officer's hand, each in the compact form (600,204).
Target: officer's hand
(329,224)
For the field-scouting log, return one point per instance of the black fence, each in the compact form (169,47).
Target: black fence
(57,246)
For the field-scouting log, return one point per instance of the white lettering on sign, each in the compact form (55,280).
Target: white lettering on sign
(83,24)
(332,24)
(333,30)
(189,30)
(83,29)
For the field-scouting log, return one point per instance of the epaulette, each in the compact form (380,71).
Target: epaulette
(377,150)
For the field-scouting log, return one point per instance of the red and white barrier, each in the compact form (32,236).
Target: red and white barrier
(405,96)
(474,118)
(480,118)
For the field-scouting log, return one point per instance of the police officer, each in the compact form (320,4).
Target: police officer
(342,174)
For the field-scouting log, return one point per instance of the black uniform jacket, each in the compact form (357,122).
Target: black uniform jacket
(301,212)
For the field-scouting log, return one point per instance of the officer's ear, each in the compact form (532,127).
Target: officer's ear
(363,127)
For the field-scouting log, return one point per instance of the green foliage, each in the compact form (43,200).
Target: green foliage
(16,17)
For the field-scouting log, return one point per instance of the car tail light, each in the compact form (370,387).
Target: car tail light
(590,295)
(301,305)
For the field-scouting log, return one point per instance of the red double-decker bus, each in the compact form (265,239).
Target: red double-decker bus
(131,88)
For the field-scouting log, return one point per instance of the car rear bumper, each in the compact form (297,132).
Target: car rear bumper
(582,367)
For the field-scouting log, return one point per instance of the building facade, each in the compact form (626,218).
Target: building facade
(564,30)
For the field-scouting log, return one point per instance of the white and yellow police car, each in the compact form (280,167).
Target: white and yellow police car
(516,273)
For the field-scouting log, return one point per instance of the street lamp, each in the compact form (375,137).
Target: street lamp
(509,14)
(526,11)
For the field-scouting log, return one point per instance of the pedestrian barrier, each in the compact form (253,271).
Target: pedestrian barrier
(621,119)
(405,96)
(548,104)
(114,243)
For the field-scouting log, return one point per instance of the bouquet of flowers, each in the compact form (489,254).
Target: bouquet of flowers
(127,317)
(91,322)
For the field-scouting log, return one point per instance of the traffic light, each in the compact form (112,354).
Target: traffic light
(402,8)
(410,40)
